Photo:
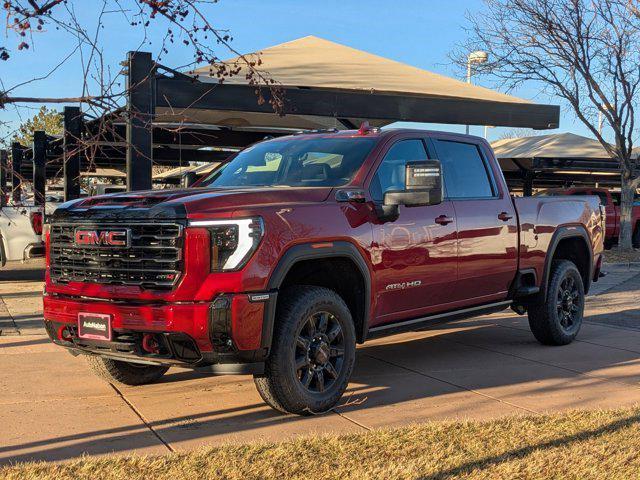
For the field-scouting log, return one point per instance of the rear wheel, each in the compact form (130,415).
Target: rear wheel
(125,373)
(556,319)
(312,354)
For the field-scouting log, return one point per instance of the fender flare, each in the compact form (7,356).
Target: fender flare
(562,233)
(306,251)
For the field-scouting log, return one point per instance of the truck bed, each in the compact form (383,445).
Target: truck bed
(541,218)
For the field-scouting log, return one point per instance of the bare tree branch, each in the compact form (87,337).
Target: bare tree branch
(584,51)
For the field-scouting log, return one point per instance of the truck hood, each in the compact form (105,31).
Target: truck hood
(172,204)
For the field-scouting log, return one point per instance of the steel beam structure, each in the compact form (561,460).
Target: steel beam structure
(139,118)
(71,152)
(16,177)
(4,160)
(186,93)
(39,153)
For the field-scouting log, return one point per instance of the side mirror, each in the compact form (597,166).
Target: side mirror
(423,185)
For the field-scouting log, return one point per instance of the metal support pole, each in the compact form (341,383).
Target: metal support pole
(468,81)
(71,170)
(16,166)
(188,179)
(4,160)
(140,112)
(39,161)
(527,189)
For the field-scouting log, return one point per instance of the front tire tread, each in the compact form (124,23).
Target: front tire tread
(277,387)
(124,373)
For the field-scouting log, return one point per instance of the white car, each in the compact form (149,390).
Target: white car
(20,233)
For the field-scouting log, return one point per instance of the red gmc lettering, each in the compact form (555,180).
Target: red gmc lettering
(115,238)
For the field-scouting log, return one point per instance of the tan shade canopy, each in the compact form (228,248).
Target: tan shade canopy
(179,172)
(316,62)
(324,84)
(105,172)
(557,145)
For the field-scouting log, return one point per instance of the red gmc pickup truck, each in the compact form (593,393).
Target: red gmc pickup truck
(304,246)
(611,202)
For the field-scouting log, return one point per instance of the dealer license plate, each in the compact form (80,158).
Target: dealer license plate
(96,326)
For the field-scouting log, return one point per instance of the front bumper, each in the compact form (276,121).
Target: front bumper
(231,330)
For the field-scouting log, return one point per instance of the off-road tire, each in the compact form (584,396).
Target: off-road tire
(125,373)
(547,317)
(635,240)
(280,387)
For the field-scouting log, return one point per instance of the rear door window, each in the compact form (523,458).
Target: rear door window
(465,171)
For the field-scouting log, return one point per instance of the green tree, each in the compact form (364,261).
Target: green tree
(46,119)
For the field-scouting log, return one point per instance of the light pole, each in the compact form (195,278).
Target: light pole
(475,58)
(486,130)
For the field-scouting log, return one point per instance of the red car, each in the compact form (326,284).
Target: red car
(304,246)
(611,202)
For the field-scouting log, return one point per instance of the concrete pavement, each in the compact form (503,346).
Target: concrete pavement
(53,408)
(21,298)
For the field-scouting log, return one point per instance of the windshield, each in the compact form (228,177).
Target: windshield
(317,162)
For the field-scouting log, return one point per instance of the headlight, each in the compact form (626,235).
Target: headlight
(233,241)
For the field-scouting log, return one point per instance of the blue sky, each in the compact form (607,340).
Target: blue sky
(419,33)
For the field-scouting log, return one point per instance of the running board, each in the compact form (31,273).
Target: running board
(422,322)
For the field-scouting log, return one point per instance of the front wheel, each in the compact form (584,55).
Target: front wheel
(313,352)
(556,319)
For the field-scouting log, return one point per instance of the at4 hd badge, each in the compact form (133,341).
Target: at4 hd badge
(403,285)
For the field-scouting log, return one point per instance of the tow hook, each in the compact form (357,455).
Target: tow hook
(150,344)
(64,334)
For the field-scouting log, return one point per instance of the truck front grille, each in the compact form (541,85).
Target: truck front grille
(153,258)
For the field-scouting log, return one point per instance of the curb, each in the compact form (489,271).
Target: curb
(629,265)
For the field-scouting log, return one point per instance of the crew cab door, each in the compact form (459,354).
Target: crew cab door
(486,221)
(414,256)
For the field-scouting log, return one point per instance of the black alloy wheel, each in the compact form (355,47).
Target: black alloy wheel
(319,352)
(568,303)
(555,318)
(312,353)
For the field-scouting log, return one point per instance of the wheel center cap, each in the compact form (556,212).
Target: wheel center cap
(567,302)
(320,353)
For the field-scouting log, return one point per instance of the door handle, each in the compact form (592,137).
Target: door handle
(443,220)
(504,216)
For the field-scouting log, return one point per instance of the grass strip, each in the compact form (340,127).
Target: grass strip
(574,445)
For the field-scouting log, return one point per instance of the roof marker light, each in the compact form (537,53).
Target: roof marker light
(364,128)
